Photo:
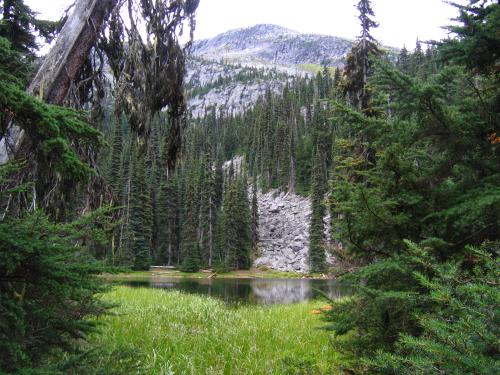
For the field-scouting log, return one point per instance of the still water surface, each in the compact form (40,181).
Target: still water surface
(251,291)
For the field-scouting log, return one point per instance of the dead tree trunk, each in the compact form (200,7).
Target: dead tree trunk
(73,45)
(63,62)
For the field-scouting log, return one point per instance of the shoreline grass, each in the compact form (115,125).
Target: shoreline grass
(241,274)
(169,332)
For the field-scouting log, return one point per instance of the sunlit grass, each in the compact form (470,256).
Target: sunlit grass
(170,332)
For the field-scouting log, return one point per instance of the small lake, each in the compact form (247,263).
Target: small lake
(251,291)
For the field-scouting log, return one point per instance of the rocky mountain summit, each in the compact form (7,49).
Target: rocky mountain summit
(275,46)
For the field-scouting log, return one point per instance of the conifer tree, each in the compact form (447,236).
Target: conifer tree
(292,169)
(424,219)
(20,27)
(116,161)
(244,217)
(203,182)
(477,23)
(212,193)
(236,240)
(404,60)
(140,213)
(47,276)
(283,148)
(168,218)
(337,78)
(190,245)
(317,227)
(358,65)
(255,213)
(228,228)
(156,163)
(327,82)
(218,181)
(417,59)
(320,85)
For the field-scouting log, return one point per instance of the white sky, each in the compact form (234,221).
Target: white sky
(401,21)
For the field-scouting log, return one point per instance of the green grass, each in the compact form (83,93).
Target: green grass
(167,332)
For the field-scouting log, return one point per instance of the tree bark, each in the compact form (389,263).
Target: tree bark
(61,66)
(72,48)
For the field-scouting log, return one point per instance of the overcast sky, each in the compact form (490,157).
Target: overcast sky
(401,21)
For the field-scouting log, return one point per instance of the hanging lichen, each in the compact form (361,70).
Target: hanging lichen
(148,63)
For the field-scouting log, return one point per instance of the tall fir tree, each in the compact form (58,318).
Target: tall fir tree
(140,213)
(404,60)
(190,246)
(255,213)
(21,27)
(48,285)
(115,163)
(424,220)
(236,241)
(317,228)
(358,65)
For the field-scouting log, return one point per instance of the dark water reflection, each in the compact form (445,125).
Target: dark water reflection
(251,291)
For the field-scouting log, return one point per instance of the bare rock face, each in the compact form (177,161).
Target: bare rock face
(233,88)
(284,232)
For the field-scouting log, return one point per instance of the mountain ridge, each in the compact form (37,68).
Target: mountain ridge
(274,45)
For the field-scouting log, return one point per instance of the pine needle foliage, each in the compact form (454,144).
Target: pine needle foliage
(54,132)
(47,286)
(422,214)
(317,228)
(461,334)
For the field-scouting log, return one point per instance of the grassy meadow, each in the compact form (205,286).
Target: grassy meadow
(153,331)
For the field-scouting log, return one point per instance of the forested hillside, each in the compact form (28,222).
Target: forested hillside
(286,140)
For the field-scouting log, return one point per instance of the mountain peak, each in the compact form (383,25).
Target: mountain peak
(269,44)
(266,29)
(256,31)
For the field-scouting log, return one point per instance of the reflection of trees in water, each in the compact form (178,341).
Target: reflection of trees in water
(255,291)
(228,290)
(231,291)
